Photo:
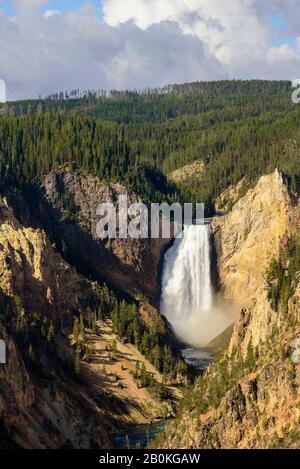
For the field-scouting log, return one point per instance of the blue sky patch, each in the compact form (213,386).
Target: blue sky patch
(7,7)
(278,21)
(60,5)
(281,27)
(291,41)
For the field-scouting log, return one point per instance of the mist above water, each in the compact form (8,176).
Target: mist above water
(187,293)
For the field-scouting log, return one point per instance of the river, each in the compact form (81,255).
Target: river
(139,436)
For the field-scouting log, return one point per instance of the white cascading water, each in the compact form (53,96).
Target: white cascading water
(187,293)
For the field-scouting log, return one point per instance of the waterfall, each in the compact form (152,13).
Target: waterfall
(187,294)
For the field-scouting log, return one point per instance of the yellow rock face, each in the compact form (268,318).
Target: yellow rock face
(249,236)
(32,269)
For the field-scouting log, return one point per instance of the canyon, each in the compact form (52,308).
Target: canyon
(51,264)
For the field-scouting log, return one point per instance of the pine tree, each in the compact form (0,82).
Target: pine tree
(51,332)
(20,313)
(114,346)
(293,184)
(94,322)
(137,371)
(76,329)
(144,376)
(100,313)
(30,353)
(250,357)
(77,360)
(156,357)
(82,328)
(167,360)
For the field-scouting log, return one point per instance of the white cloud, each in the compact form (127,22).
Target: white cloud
(280,54)
(284,57)
(142,43)
(144,13)
(224,26)
(75,50)
(49,13)
(237,32)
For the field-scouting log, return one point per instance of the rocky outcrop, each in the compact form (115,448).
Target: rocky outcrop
(34,271)
(248,237)
(187,172)
(229,197)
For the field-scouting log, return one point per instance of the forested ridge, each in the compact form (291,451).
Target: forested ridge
(154,105)
(238,128)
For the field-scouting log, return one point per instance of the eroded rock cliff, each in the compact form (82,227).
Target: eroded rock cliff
(246,241)
(40,406)
(69,212)
(248,237)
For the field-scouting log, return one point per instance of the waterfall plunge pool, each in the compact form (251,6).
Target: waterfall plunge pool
(199,358)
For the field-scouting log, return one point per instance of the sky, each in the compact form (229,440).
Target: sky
(48,46)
